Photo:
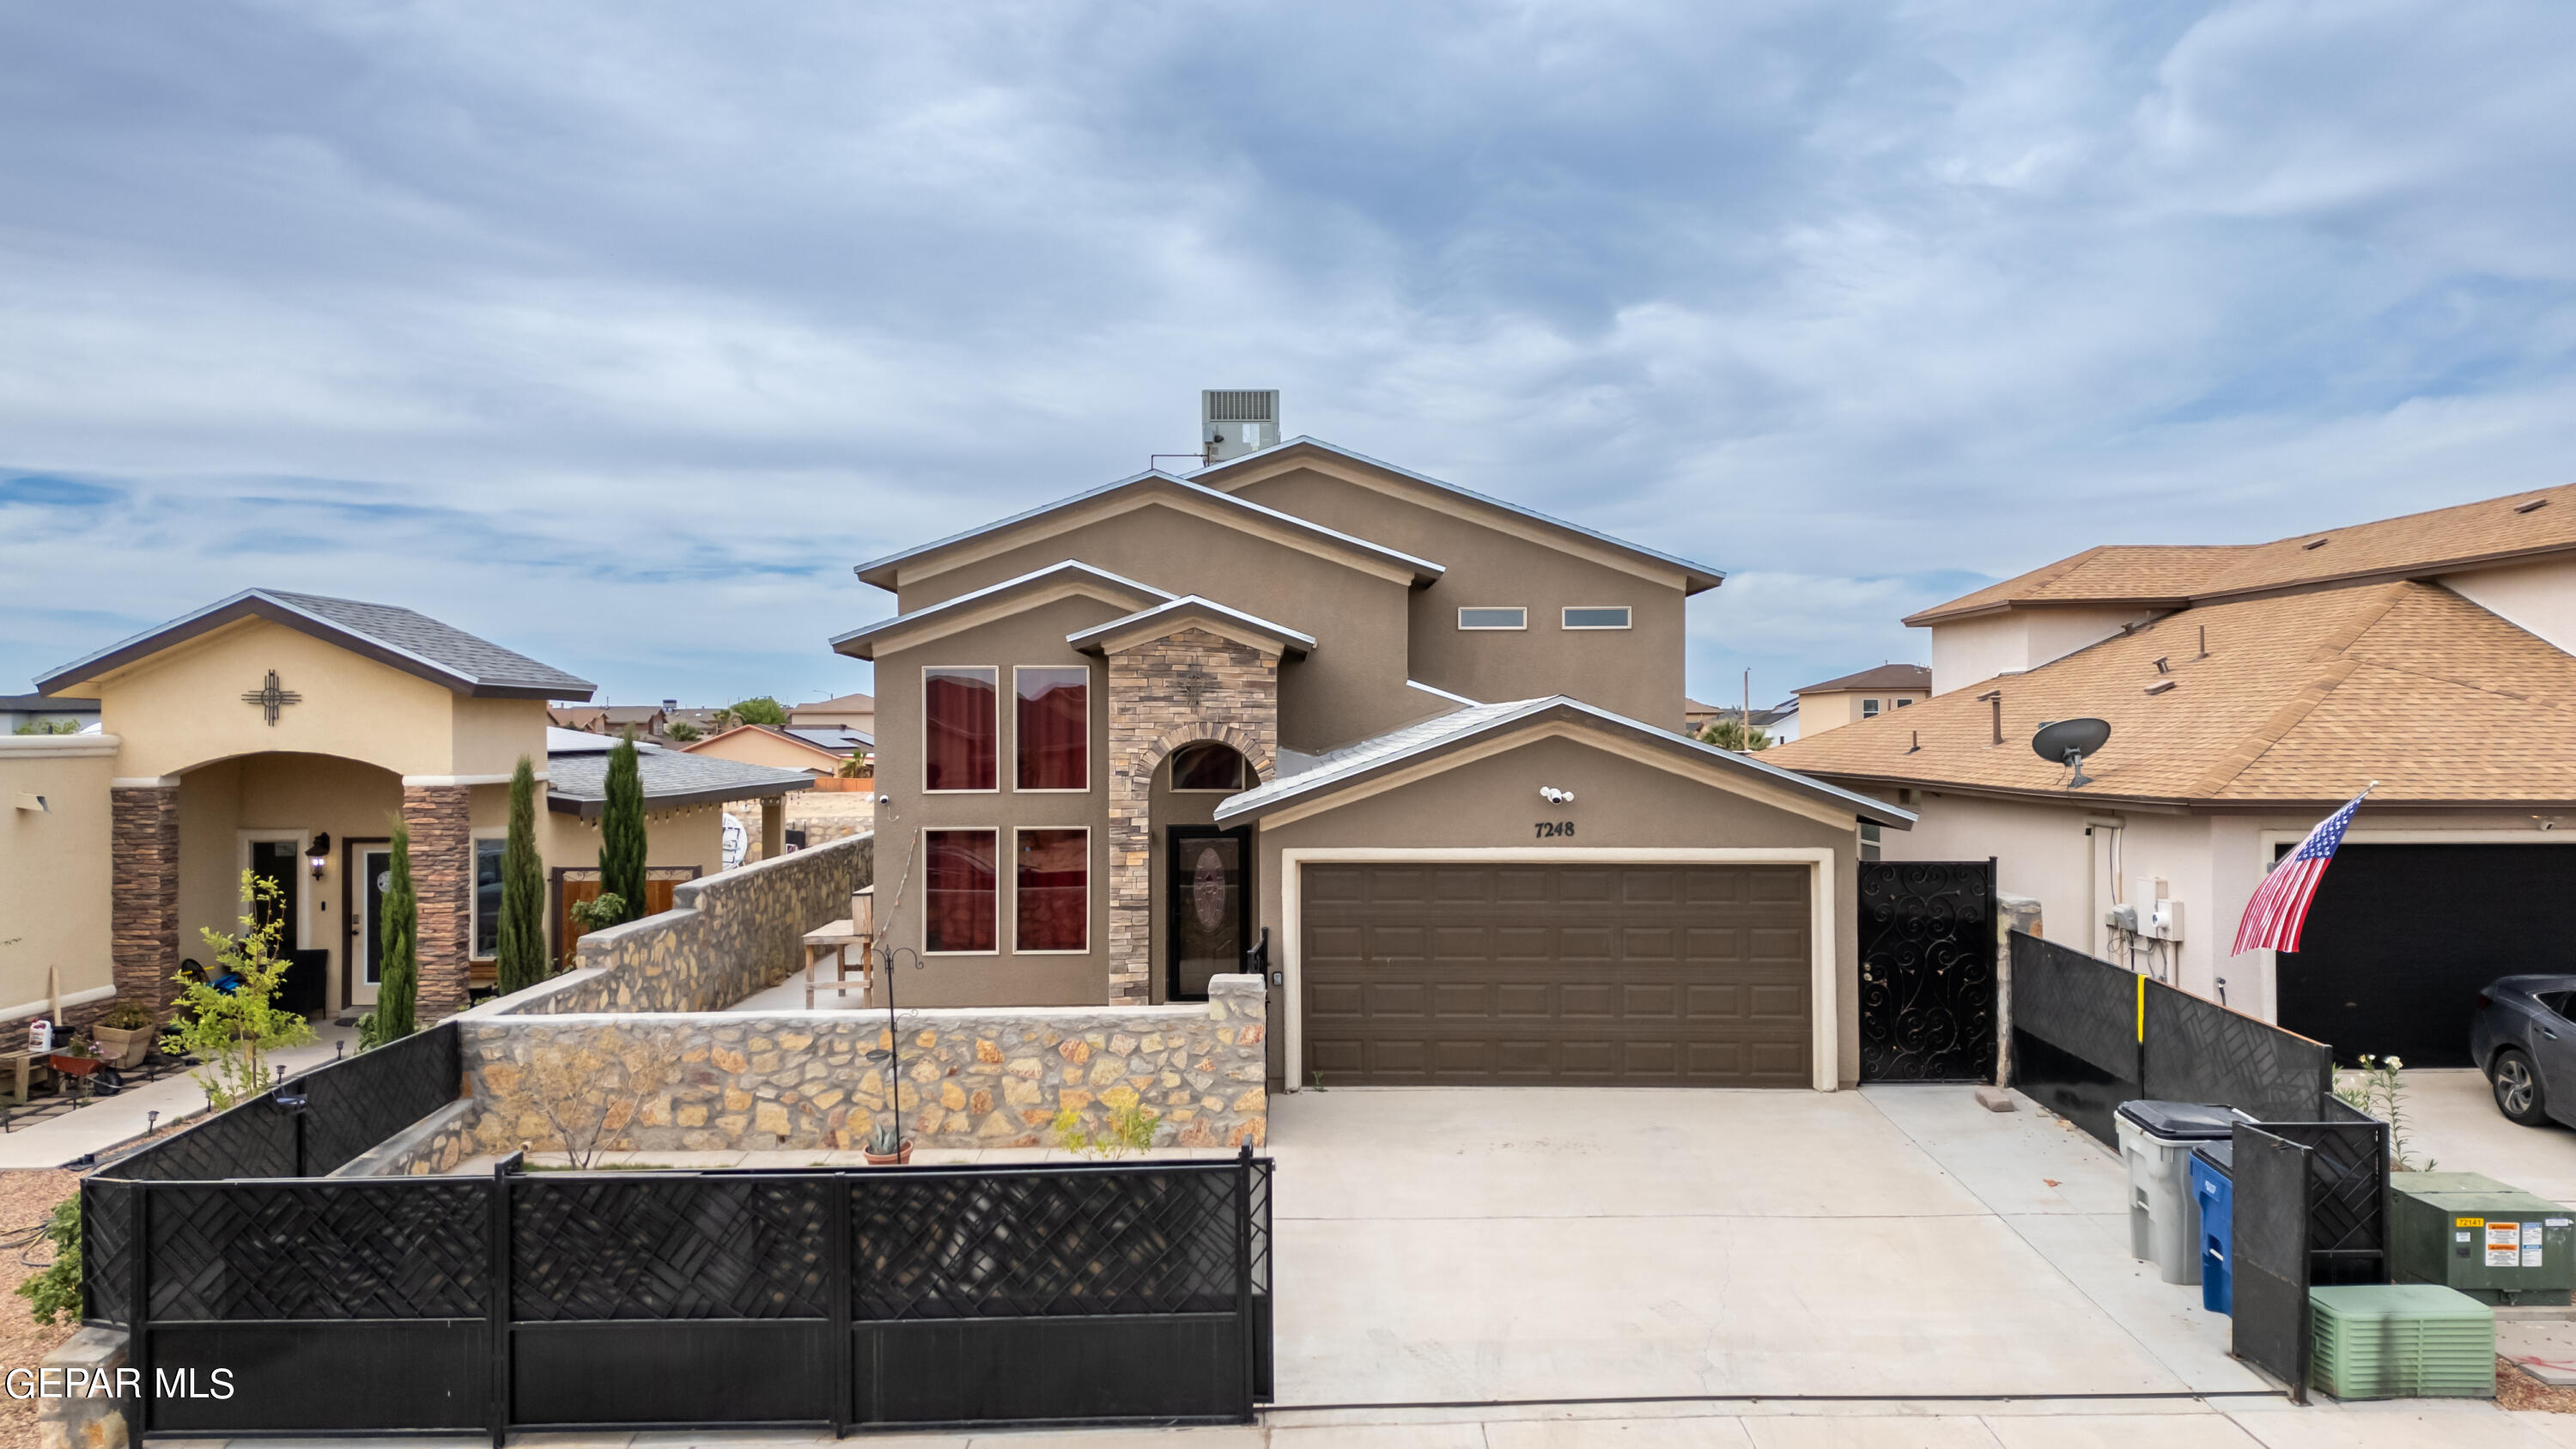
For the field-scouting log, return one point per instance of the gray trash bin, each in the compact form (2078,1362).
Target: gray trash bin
(2156,1139)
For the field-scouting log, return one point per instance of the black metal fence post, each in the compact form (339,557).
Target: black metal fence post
(138,1315)
(1243,1276)
(498,1281)
(842,1264)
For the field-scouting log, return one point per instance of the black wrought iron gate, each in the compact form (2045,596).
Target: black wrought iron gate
(1927,970)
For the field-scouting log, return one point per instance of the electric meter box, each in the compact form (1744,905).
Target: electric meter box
(2466,1231)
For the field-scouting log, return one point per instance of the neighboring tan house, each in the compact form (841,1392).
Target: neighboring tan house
(849,712)
(1384,736)
(1866,695)
(281,734)
(1780,722)
(775,747)
(2250,691)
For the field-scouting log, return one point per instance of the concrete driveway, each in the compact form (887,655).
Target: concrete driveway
(2452,1121)
(1498,1245)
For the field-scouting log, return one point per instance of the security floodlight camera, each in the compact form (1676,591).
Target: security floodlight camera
(1555,796)
(885,799)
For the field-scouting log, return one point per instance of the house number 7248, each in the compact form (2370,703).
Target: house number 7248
(1548,828)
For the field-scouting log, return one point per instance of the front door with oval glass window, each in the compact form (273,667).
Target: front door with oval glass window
(1207,885)
(372,868)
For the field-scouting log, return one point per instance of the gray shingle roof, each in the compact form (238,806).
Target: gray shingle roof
(399,637)
(577,784)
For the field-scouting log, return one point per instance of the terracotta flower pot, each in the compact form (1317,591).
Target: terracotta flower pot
(897,1158)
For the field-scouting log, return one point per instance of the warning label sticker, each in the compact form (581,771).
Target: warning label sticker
(2504,1245)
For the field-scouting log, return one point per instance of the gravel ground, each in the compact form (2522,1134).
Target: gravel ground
(26,1199)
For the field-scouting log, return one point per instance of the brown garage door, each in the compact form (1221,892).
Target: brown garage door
(1611,975)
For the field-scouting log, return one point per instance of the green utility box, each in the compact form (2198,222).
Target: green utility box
(2469,1232)
(2400,1341)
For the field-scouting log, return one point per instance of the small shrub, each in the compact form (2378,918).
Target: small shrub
(2375,1088)
(54,1295)
(125,1016)
(1130,1129)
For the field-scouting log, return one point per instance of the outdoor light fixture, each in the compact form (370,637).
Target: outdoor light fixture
(318,854)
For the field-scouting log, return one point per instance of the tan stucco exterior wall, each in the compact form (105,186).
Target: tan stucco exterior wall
(1636,672)
(225,805)
(1824,709)
(55,881)
(1969,652)
(1350,688)
(182,708)
(1033,638)
(1619,803)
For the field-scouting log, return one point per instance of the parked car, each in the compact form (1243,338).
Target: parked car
(2524,1039)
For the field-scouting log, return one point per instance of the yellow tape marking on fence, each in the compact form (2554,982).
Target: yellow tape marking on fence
(2142,1007)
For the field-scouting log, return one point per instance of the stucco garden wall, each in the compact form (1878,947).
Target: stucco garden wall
(972,1076)
(725,937)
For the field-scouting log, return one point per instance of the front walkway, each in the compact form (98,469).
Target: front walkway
(104,1122)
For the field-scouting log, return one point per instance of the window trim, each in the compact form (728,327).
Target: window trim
(1016,949)
(1562,616)
(1242,770)
(1466,628)
(1087,744)
(994,831)
(474,927)
(924,709)
(1869,709)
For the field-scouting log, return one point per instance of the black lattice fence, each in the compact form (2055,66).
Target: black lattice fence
(2270,1266)
(352,1106)
(2075,1033)
(932,1295)
(1927,971)
(2199,1051)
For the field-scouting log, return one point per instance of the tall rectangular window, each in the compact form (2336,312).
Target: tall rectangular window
(962,895)
(1053,728)
(961,727)
(1053,890)
(487,898)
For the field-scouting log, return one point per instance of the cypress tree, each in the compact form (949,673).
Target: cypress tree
(520,960)
(399,991)
(621,830)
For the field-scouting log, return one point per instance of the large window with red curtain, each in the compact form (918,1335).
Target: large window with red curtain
(962,892)
(1053,728)
(1053,890)
(961,727)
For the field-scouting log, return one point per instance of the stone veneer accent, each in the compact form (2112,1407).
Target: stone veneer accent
(434,1144)
(973,1076)
(1153,710)
(441,821)
(143,830)
(726,936)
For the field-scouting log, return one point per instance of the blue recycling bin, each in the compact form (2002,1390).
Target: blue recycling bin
(2213,1188)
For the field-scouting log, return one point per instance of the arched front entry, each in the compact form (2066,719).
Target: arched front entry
(1160,826)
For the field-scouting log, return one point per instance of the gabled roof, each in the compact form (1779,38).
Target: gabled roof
(1070,575)
(577,784)
(2302,699)
(1885,676)
(886,572)
(1698,578)
(824,754)
(411,642)
(838,704)
(2419,545)
(1441,734)
(1229,622)
(836,738)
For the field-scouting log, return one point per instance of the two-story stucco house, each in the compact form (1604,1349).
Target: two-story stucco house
(1379,736)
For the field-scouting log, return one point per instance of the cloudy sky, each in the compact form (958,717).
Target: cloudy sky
(619,332)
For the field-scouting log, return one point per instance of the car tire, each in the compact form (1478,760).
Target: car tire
(2519,1094)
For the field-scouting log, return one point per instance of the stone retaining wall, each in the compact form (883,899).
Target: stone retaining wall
(973,1076)
(726,936)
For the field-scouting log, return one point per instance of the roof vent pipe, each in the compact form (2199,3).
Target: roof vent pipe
(1236,421)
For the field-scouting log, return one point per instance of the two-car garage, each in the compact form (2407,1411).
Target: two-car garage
(1545,894)
(1534,973)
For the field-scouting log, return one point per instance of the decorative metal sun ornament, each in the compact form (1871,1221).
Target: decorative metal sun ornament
(270,698)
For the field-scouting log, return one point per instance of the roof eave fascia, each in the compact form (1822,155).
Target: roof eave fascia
(1939,614)
(1696,578)
(887,572)
(590,807)
(257,604)
(865,637)
(1233,624)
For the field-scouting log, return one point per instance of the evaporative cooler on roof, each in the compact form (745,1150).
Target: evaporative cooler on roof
(1236,421)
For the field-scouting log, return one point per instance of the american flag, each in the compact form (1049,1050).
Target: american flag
(2280,904)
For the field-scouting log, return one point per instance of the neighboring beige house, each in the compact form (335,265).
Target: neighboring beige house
(847,712)
(768,745)
(1780,721)
(19,711)
(2250,691)
(282,733)
(1388,739)
(1856,697)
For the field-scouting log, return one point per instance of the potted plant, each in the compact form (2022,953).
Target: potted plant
(884,1149)
(124,1033)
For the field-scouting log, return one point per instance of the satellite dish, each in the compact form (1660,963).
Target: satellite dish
(2068,741)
